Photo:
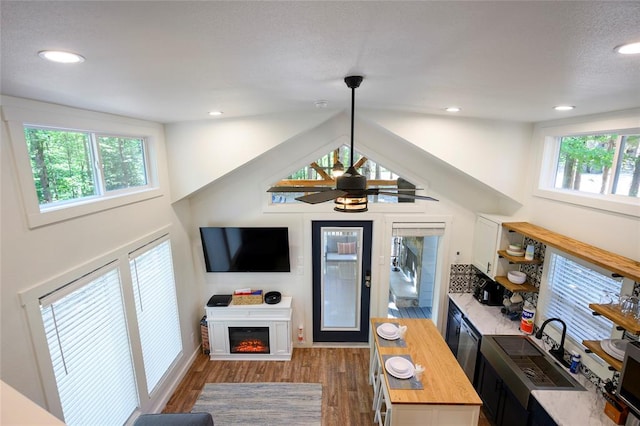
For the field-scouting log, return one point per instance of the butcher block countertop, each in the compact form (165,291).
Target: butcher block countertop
(444,382)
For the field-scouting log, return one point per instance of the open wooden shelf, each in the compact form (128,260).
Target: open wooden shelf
(595,347)
(518,259)
(610,261)
(628,323)
(526,287)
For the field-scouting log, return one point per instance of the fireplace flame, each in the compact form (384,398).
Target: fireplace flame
(251,346)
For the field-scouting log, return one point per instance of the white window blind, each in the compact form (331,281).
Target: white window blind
(89,345)
(572,287)
(418,229)
(157,309)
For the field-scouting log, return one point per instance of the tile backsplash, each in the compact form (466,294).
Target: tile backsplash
(460,278)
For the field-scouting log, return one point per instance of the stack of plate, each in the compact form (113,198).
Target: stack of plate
(615,347)
(388,331)
(399,367)
(516,253)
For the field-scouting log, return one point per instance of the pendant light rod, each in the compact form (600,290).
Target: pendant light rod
(353,82)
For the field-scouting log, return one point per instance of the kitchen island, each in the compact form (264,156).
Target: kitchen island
(446,398)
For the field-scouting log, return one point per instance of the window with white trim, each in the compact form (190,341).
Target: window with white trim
(599,169)
(571,285)
(98,373)
(71,165)
(88,341)
(606,163)
(157,309)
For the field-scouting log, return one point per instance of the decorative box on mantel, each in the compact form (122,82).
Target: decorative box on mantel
(251,332)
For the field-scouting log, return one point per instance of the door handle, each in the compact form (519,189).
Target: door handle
(367,279)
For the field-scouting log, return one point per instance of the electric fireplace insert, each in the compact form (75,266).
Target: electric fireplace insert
(249,340)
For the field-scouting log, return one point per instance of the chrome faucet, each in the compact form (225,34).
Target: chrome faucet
(557,353)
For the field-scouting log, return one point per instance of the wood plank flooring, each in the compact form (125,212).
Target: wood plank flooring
(343,373)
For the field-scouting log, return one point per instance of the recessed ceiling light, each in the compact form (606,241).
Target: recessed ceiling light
(321,103)
(215,113)
(629,48)
(61,57)
(564,107)
(453,109)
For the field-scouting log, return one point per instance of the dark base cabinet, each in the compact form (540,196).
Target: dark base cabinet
(453,327)
(538,416)
(500,405)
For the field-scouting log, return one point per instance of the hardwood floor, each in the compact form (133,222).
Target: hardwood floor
(343,373)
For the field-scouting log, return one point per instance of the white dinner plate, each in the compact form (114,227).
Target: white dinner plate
(388,328)
(619,344)
(515,253)
(398,360)
(612,348)
(386,335)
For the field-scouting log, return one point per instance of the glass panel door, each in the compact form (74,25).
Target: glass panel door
(341,266)
(341,280)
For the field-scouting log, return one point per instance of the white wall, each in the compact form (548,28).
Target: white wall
(493,152)
(239,198)
(31,257)
(212,148)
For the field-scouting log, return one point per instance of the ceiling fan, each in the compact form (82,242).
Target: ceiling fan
(350,193)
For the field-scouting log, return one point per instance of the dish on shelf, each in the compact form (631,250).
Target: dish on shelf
(388,331)
(516,277)
(396,363)
(614,347)
(518,253)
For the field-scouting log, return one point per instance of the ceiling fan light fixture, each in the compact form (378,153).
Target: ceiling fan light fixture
(355,185)
(350,194)
(351,204)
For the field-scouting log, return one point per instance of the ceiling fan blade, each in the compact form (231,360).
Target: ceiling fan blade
(299,189)
(321,197)
(412,196)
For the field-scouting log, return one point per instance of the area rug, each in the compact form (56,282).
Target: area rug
(261,403)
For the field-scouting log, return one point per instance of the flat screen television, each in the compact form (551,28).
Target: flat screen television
(233,249)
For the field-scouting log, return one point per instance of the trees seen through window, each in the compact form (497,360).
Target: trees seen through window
(599,164)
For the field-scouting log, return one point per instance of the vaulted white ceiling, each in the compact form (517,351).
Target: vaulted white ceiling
(175,61)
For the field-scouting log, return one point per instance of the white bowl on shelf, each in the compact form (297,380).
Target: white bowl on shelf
(516,277)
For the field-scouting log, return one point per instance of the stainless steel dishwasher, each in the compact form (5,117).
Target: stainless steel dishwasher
(468,346)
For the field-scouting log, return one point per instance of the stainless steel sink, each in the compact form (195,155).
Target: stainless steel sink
(524,367)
